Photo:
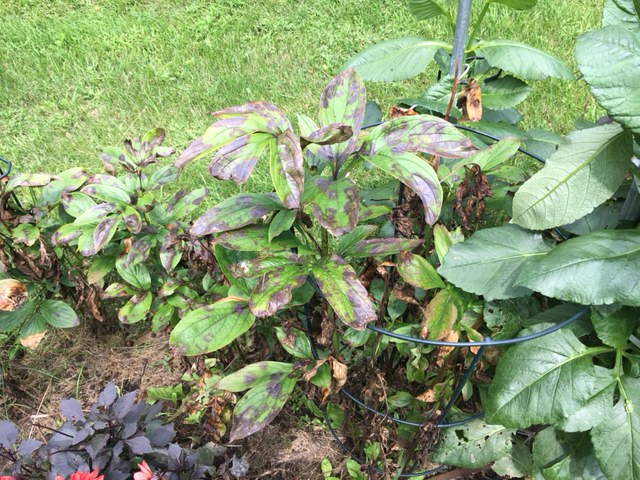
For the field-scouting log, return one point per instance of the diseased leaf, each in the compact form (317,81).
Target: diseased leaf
(578,177)
(136,309)
(260,405)
(274,289)
(100,267)
(183,204)
(439,316)
(376,247)
(76,203)
(334,203)
(567,271)
(139,251)
(255,238)
(170,251)
(58,314)
(540,381)
(235,212)
(417,271)
(105,231)
(210,328)
(417,174)
(66,233)
(29,180)
(345,293)
(107,193)
(235,160)
(474,444)
(164,175)
(397,59)
(286,167)
(262,265)
(488,158)
(95,214)
(136,275)
(490,262)
(25,233)
(225,258)
(327,135)
(346,242)
(253,375)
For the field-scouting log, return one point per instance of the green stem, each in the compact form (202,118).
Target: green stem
(477,25)
(619,374)
(325,243)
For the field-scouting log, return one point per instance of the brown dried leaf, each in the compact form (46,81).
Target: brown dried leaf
(32,341)
(13,294)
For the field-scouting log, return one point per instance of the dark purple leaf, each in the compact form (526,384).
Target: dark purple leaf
(417,174)
(175,457)
(8,433)
(81,435)
(418,133)
(169,252)
(108,395)
(343,101)
(28,446)
(274,289)
(334,203)
(71,409)
(377,247)
(129,430)
(327,135)
(286,166)
(345,293)
(104,232)
(97,443)
(160,435)
(139,445)
(235,212)
(123,404)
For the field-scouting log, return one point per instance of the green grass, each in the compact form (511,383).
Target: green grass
(79,74)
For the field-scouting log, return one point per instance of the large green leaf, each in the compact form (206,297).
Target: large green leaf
(395,59)
(260,405)
(599,268)
(621,12)
(504,92)
(58,314)
(473,445)
(614,324)
(136,275)
(345,293)
(522,60)
(616,441)
(334,203)
(517,4)
(417,174)
(609,58)
(541,381)
(417,271)
(576,179)
(136,309)
(490,261)
(235,212)
(426,9)
(274,289)
(212,327)
(252,375)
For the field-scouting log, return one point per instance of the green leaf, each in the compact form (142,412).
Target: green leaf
(164,175)
(105,231)
(621,12)
(376,247)
(604,217)
(94,215)
(504,92)
(571,270)
(58,314)
(86,245)
(136,308)
(10,320)
(608,59)
(295,342)
(260,405)
(253,375)
(345,293)
(235,212)
(181,205)
(417,271)
(473,445)
(224,259)
(616,441)
(76,203)
(417,174)
(426,9)
(163,317)
(517,4)
(522,60)
(107,193)
(274,289)
(395,59)
(614,324)
(346,242)
(25,233)
(334,203)
(439,316)
(136,275)
(518,463)
(286,167)
(561,456)
(255,238)
(488,158)
(577,178)
(212,327)
(542,380)
(444,240)
(490,261)
(281,222)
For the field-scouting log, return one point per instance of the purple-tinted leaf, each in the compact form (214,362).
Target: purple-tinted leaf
(28,446)
(164,175)
(86,246)
(26,233)
(58,314)
(29,180)
(418,133)
(129,430)
(235,212)
(376,247)
(260,116)
(170,252)
(252,375)
(343,101)
(160,435)
(108,180)
(66,233)
(95,214)
(81,435)
(132,219)
(286,166)
(123,404)
(71,409)
(327,135)
(259,266)
(8,433)
(139,445)
(117,290)
(235,160)
(136,308)
(97,443)
(139,252)
(135,413)
(108,395)
(346,242)
(260,405)
(212,327)
(183,204)
(255,238)
(274,289)
(345,293)
(107,193)
(76,203)
(105,231)
(417,174)
(174,454)
(334,203)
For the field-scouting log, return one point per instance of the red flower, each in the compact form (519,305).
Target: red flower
(7,477)
(83,476)
(145,472)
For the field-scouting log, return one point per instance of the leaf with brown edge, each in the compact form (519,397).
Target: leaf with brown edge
(327,135)
(376,247)
(274,289)
(417,174)
(343,101)
(286,167)
(105,231)
(417,271)
(235,160)
(32,341)
(439,316)
(136,308)
(334,203)
(418,133)
(255,238)
(259,266)
(340,285)
(260,405)
(235,212)
(252,375)
(260,116)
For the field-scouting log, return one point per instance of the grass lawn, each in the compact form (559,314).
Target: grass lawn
(79,74)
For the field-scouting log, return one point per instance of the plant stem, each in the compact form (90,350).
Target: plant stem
(325,243)
(477,25)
